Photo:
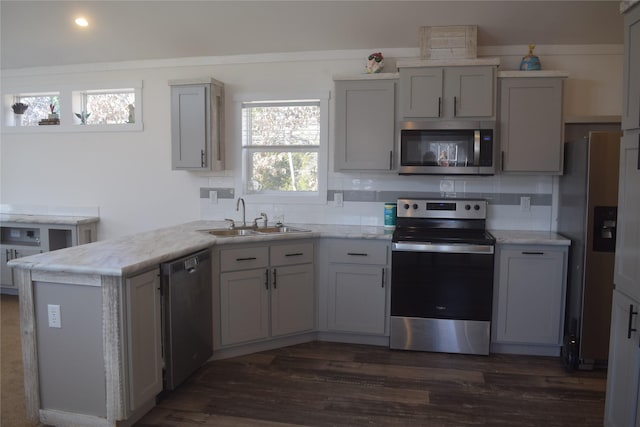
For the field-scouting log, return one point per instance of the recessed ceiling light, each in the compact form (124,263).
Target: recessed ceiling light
(82,22)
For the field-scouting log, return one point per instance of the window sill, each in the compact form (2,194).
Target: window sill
(125,127)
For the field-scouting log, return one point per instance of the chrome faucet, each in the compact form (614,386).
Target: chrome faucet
(244,217)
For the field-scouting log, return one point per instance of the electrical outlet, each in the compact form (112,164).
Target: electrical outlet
(54,316)
(525,204)
(213,197)
(338,199)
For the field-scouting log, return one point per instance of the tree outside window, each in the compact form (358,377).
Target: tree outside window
(281,143)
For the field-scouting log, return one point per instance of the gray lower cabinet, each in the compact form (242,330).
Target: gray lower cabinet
(358,286)
(623,374)
(266,291)
(144,337)
(531,124)
(365,124)
(20,239)
(10,252)
(449,93)
(103,364)
(197,124)
(529,297)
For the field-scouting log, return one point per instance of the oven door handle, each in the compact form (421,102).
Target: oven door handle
(455,248)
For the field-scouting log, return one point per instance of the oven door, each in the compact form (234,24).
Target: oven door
(441,297)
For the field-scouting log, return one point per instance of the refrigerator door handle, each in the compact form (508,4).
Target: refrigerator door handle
(631,328)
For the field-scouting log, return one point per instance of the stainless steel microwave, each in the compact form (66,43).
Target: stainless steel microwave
(447,148)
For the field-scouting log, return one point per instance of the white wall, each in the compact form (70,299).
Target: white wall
(128,174)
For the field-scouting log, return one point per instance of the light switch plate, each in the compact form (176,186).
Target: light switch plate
(525,204)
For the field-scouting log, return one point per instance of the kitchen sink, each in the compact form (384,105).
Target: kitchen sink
(282,229)
(231,232)
(236,232)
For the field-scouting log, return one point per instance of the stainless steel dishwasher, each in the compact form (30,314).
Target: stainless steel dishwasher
(186,316)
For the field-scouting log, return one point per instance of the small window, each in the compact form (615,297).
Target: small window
(104,107)
(40,108)
(281,143)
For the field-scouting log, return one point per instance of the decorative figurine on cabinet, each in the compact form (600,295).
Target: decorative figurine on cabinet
(530,62)
(375,63)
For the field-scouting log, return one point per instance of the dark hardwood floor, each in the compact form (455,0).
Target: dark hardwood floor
(330,384)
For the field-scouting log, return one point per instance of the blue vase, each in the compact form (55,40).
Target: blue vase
(530,62)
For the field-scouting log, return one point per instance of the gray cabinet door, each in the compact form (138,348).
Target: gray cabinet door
(357,298)
(8,253)
(365,125)
(623,373)
(531,288)
(531,126)
(292,299)
(631,70)
(189,124)
(448,93)
(421,92)
(627,264)
(144,338)
(469,92)
(244,306)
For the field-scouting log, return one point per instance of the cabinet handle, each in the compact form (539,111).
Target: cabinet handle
(638,152)
(501,160)
(7,256)
(455,106)
(356,254)
(246,259)
(202,158)
(532,253)
(383,277)
(439,106)
(391,160)
(631,314)
(275,285)
(266,279)
(295,254)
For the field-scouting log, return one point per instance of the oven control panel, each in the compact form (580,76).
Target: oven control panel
(442,208)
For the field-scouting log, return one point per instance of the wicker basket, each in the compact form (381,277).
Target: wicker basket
(456,41)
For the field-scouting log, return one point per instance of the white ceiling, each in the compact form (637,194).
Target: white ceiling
(42,33)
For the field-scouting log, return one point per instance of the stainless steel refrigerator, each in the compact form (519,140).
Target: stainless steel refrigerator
(587,209)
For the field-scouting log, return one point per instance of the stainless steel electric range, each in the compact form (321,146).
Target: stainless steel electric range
(442,271)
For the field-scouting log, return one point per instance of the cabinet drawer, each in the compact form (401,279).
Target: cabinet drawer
(298,253)
(358,252)
(244,258)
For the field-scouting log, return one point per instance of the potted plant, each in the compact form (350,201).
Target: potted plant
(18,110)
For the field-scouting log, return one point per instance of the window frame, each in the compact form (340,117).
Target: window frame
(243,153)
(68,96)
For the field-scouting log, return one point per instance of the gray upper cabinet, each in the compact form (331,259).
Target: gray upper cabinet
(448,93)
(631,70)
(197,125)
(531,124)
(365,124)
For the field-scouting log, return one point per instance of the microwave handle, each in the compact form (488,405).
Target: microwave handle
(476,147)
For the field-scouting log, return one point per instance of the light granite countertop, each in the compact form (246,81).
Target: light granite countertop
(127,255)
(47,219)
(524,237)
